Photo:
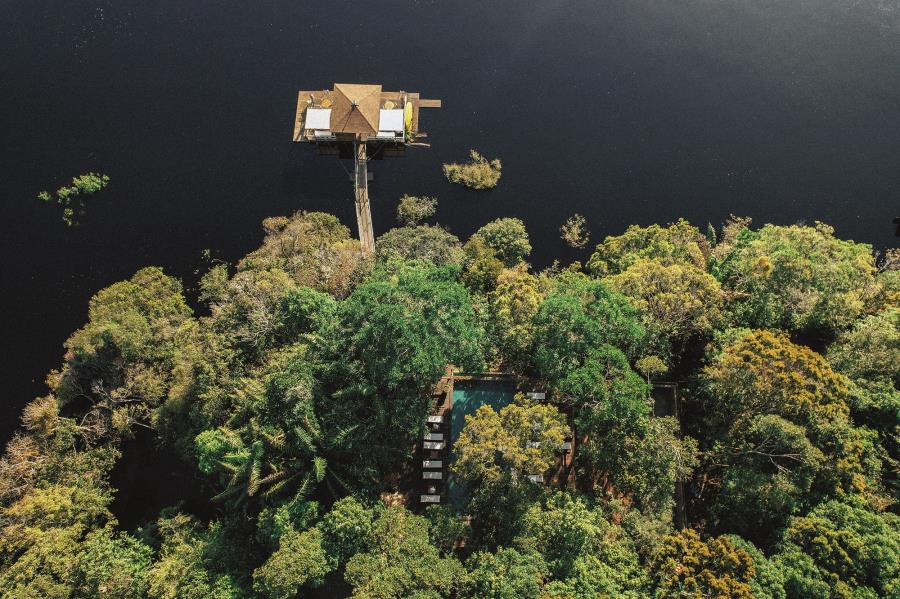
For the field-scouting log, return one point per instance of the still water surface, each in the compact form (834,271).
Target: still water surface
(632,111)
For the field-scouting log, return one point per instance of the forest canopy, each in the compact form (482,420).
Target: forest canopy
(292,391)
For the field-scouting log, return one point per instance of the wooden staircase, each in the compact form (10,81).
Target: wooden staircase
(436,446)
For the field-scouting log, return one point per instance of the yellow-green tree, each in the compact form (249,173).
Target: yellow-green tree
(676,301)
(680,242)
(508,238)
(314,248)
(764,373)
(779,430)
(478,173)
(513,305)
(523,438)
(687,566)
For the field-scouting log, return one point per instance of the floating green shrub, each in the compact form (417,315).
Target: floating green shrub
(478,173)
(72,198)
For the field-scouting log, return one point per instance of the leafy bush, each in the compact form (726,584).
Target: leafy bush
(412,210)
(72,198)
(574,232)
(478,173)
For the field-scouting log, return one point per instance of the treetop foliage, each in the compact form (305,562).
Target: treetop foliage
(680,242)
(296,395)
(413,210)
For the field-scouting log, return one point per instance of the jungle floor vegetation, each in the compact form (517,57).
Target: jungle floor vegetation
(297,391)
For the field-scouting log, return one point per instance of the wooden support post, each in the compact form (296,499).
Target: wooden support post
(363,210)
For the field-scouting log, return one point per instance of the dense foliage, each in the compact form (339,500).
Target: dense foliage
(295,395)
(478,173)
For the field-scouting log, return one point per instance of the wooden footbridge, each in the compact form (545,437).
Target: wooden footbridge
(360,122)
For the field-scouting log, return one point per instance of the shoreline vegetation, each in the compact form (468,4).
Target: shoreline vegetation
(72,198)
(477,173)
(293,399)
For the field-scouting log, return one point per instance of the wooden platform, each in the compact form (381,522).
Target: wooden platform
(333,98)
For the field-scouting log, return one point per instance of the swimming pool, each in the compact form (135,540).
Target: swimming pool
(468,396)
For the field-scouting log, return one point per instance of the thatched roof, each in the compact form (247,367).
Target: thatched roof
(355,108)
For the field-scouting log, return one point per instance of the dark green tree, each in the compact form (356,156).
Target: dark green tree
(581,314)
(508,238)
(398,333)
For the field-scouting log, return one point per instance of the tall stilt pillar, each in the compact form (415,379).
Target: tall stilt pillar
(363,210)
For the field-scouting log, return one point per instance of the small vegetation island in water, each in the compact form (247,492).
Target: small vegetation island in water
(478,173)
(298,397)
(575,232)
(72,198)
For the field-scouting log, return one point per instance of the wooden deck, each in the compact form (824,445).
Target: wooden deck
(325,99)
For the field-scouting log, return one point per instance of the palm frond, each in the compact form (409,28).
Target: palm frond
(319,466)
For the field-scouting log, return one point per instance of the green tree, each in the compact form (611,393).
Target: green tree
(869,354)
(508,238)
(398,333)
(249,313)
(274,444)
(72,199)
(188,566)
(855,551)
(348,529)
(299,561)
(870,350)
(401,562)
(677,243)
(119,363)
(798,278)
(570,536)
(647,466)
(445,528)
(297,513)
(578,315)
(506,574)
(768,581)
(306,314)
(413,210)
(780,412)
(422,242)
(113,565)
(771,470)
(625,448)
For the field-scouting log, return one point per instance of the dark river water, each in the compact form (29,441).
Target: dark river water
(625,111)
